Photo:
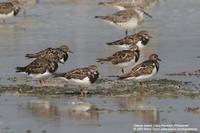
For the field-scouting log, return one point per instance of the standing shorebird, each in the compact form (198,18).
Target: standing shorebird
(143,70)
(9,9)
(122,58)
(126,19)
(83,77)
(60,54)
(140,39)
(126,4)
(39,69)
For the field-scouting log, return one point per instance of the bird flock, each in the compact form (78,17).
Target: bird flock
(129,17)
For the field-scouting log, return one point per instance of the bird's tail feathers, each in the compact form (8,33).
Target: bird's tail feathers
(103,17)
(31,55)
(20,69)
(104,3)
(102,60)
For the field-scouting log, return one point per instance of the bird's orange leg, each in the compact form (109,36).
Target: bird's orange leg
(122,70)
(142,86)
(81,90)
(41,83)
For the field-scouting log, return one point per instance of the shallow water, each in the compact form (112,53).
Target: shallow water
(118,114)
(175,30)
(52,23)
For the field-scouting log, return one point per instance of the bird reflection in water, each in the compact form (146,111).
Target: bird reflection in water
(144,112)
(82,111)
(43,108)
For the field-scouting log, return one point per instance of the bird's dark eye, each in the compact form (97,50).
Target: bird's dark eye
(145,35)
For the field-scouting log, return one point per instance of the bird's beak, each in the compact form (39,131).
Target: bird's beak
(159,59)
(147,14)
(70,51)
(61,62)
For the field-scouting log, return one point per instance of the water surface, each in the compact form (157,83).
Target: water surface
(175,30)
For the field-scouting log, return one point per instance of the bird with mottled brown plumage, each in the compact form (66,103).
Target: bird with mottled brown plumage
(140,39)
(83,77)
(9,9)
(143,70)
(59,54)
(123,58)
(39,69)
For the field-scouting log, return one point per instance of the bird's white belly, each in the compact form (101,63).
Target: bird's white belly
(124,46)
(62,60)
(131,24)
(83,82)
(3,16)
(38,76)
(140,45)
(119,7)
(143,77)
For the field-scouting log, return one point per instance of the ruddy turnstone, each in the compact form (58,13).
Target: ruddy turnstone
(9,9)
(60,54)
(126,19)
(143,70)
(140,39)
(122,58)
(39,69)
(83,77)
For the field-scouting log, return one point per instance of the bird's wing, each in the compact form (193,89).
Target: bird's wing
(41,53)
(79,73)
(144,68)
(123,16)
(6,7)
(37,66)
(122,56)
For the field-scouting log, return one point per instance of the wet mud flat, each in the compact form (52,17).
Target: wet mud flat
(195,73)
(158,88)
(111,105)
